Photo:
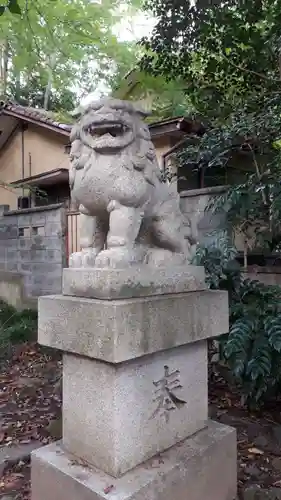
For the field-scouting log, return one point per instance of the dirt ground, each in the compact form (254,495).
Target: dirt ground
(30,401)
(30,404)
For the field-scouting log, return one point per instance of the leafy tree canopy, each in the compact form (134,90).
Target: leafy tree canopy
(228,55)
(223,51)
(162,98)
(61,45)
(12,6)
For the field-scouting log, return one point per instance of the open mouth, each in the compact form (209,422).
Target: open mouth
(107,136)
(113,129)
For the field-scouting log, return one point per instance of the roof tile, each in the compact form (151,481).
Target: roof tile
(40,115)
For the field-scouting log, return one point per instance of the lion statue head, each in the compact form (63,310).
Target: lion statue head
(113,128)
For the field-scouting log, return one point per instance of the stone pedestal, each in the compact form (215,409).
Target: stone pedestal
(203,467)
(134,387)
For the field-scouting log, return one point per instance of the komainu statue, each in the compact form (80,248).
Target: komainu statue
(129,215)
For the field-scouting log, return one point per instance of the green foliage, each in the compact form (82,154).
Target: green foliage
(163,99)
(252,348)
(32,93)
(58,50)
(16,326)
(228,54)
(12,6)
(223,50)
(251,138)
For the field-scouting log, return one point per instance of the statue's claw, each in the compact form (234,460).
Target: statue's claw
(117,257)
(85,258)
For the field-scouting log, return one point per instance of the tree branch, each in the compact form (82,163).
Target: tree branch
(246,70)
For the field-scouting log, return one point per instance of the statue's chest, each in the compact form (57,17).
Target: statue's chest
(93,187)
(96,186)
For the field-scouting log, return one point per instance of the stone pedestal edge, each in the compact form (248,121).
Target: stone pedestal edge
(120,330)
(201,467)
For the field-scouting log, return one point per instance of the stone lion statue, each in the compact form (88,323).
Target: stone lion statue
(129,215)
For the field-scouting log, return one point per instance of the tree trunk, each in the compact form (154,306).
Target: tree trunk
(48,92)
(17,87)
(48,89)
(4,55)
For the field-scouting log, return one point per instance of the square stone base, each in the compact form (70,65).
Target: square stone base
(203,467)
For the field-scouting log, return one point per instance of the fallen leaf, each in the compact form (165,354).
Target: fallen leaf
(108,489)
(277,483)
(255,451)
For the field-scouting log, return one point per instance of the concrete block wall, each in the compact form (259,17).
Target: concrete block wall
(33,244)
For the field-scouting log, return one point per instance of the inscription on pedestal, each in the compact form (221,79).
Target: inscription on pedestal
(165,396)
(132,411)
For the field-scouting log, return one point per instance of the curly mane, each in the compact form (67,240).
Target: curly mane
(140,154)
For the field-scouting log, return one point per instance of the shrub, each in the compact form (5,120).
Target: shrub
(16,326)
(252,348)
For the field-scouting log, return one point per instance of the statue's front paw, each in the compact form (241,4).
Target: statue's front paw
(85,258)
(117,258)
(75,260)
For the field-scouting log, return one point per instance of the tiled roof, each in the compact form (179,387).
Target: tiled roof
(174,119)
(40,116)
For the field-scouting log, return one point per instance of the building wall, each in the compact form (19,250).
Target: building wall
(10,170)
(43,150)
(161,144)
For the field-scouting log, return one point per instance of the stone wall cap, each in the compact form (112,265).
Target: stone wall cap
(32,210)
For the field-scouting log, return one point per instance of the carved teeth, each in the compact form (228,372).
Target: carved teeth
(113,129)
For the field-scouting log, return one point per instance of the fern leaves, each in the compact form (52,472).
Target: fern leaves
(252,347)
(273,328)
(237,346)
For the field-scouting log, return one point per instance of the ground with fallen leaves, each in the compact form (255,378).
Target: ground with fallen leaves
(258,440)
(30,402)
(30,398)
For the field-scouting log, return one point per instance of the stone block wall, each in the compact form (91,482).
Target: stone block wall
(269,275)
(33,244)
(193,204)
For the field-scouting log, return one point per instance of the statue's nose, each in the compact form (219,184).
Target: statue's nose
(107,114)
